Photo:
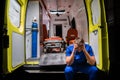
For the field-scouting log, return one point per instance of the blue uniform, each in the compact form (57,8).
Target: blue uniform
(80,64)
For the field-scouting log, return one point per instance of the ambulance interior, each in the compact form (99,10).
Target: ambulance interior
(59,23)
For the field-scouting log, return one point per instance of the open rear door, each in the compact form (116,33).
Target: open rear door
(14,52)
(98,35)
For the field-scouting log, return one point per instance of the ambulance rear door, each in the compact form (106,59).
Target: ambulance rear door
(14,20)
(98,33)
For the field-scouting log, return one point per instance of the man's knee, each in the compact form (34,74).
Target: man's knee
(94,70)
(68,69)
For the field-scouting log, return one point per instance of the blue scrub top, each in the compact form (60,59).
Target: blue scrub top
(79,57)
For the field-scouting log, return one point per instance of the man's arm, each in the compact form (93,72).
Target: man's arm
(90,59)
(70,59)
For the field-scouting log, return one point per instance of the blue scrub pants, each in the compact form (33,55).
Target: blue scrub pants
(86,68)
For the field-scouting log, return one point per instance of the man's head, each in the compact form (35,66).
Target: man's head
(79,42)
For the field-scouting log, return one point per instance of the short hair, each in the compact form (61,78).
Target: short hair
(79,41)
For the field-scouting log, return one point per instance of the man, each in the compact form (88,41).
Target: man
(80,57)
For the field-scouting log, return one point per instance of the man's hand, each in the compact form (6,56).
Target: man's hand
(75,46)
(83,48)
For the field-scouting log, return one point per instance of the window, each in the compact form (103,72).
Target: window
(14,12)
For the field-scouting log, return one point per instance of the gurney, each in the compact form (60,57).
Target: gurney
(54,44)
(54,52)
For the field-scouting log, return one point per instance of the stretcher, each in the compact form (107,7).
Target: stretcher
(54,52)
(54,44)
